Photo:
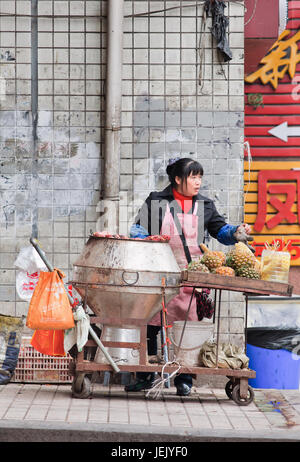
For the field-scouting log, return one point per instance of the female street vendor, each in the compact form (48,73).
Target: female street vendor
(180,212)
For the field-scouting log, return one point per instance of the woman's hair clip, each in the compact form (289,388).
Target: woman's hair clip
(173,160)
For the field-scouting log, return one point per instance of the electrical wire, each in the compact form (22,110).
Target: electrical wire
(95,16)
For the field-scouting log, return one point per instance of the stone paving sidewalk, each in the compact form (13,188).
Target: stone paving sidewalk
(275,412)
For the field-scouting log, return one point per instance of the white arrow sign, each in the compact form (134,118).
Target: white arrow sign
(283,131)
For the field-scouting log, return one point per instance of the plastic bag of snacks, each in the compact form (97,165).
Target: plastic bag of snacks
(275,263)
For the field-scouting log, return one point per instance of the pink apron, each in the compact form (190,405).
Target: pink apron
(178,306)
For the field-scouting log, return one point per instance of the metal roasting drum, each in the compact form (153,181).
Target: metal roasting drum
(122,278)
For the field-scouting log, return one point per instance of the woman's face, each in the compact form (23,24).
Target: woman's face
(191,186)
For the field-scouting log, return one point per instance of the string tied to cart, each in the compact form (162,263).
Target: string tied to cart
(164,380)
(159,384)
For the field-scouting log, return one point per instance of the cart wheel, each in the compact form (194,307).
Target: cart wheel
(242,401)
(228,388)
(81,387)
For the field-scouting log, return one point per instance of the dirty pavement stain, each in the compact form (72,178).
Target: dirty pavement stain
(274,401)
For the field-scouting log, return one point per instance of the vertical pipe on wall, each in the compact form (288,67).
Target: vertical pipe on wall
(113,95)
(34,115)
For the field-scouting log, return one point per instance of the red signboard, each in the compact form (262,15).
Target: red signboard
(272,133)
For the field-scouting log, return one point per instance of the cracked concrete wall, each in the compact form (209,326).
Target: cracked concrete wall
(165,113)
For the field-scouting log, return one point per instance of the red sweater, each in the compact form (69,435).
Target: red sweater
(185,202)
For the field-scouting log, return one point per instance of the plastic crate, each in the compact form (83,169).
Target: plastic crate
(34,367)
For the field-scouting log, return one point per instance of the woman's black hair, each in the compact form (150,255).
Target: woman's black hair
(183,168)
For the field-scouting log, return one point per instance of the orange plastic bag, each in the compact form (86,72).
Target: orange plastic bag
(49,305)
(49,342)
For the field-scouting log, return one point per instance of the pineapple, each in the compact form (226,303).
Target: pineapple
(225,271)
(221,255)
(237,259)
(240,246)
(196,265)
(212,259)
(248,272)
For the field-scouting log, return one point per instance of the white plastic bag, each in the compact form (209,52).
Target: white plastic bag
(29,260)
(30,264)
(26,283)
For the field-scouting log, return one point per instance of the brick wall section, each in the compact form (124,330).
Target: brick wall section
(165,112)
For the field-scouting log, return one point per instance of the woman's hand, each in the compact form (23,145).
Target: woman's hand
(242,234)
(245,228)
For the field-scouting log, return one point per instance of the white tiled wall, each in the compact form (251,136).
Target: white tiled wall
(165,113)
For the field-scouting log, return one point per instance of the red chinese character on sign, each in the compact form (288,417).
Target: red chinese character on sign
(282,57)
(293,247)
(291,190)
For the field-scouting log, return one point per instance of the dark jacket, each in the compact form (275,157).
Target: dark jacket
(210,219)
(151,214)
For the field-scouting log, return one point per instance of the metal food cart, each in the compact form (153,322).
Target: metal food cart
(123,291)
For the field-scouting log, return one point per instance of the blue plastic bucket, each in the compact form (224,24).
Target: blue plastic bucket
(279,369)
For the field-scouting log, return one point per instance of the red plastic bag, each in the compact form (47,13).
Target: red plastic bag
(49,342)
(49,307)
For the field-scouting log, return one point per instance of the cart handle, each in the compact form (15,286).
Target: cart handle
(33,241)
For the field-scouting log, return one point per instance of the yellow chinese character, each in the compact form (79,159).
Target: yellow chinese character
(283,56)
